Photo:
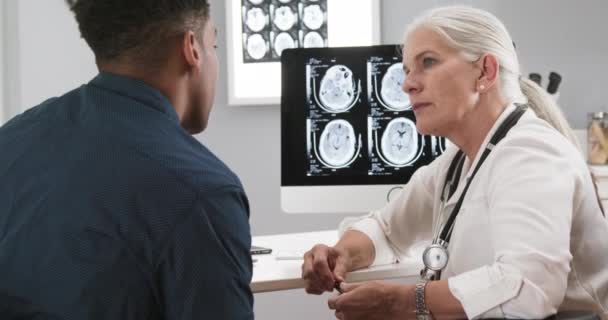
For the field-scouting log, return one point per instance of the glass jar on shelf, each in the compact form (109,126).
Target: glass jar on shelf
(597,138)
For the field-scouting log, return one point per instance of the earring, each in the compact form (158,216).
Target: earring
(482,87)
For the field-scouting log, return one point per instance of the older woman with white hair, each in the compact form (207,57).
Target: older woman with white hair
(516,226)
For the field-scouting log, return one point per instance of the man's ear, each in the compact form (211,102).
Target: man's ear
(489,66)
(191,50)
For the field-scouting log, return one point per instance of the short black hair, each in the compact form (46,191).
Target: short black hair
(136,29)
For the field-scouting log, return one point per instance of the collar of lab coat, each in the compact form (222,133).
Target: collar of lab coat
(467,162)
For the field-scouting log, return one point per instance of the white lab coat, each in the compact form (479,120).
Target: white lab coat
(529,238)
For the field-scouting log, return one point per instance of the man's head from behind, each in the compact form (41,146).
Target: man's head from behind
(167,43)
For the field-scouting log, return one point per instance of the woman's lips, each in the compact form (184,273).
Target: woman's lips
(420,105)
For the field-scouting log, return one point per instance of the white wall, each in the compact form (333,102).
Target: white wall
(2,62)
(10,60)
(53,57)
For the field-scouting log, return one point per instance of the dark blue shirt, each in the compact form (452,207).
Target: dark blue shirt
(110,210)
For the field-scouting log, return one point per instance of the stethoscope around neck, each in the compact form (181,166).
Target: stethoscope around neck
(436,256)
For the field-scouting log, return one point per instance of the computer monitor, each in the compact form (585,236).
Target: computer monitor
(348,134)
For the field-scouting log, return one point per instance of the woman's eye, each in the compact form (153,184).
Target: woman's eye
(427,62)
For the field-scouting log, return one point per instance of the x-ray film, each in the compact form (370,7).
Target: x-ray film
(271,26)
(256,30)
(393,141)
(333,128)
(385,77)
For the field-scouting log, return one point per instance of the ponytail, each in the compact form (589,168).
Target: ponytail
(545,108)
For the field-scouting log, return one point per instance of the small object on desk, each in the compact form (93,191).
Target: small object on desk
(260,250)
(289,255)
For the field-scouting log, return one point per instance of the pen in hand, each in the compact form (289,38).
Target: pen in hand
(337,285)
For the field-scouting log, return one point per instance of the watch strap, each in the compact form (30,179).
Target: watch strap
(422,313)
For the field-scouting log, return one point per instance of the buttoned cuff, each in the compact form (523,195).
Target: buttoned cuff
(371,228)
(483,290)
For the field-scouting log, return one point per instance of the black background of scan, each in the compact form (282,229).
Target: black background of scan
(294,113)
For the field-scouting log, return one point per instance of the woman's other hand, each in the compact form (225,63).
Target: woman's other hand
(374,300)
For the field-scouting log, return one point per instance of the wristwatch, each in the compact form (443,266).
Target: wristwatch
(422,313)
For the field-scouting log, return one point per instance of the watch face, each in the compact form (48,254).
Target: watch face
(435,257)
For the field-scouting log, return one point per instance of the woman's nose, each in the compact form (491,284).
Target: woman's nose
(410,85)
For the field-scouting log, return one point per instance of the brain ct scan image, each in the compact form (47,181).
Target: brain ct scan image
(256,19)
(257,46)
(282,24)
(337,143)
(313,16)
(338,88)
(400,141)
(392,92)
(283,41)
(313,40)
(284,18)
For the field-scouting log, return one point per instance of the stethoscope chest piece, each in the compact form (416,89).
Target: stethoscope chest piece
(435,257)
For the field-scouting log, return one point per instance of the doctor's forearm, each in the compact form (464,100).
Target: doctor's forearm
(441,302)
(359,248)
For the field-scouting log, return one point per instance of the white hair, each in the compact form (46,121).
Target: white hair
(474,32)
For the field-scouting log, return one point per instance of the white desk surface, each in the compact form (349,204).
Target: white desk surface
(270,274)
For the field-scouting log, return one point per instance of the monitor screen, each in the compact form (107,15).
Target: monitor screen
(348,134)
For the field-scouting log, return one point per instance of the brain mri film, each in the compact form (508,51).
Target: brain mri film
(400,141)
(313,40)
(256,19)
(283,41)
(271,26)
(313,16)
(337,145)
(392,93)
(284,18)
(256,46)
(338,89)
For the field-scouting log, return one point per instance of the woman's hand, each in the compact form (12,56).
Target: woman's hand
(374,300)
(323,267)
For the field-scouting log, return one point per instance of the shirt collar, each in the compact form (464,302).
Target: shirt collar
(468,164)
(135,89)
(501,118)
